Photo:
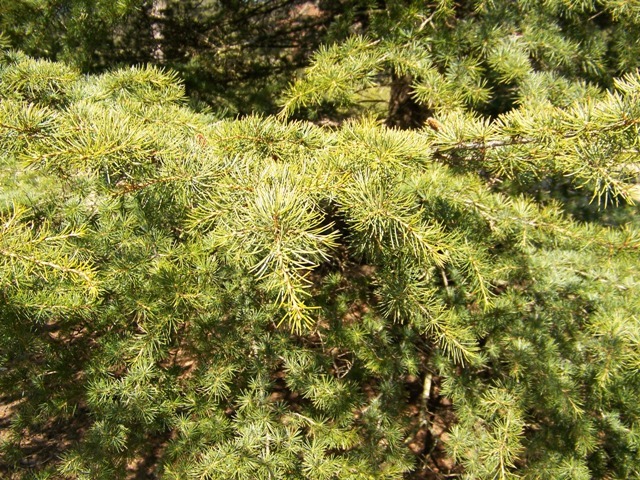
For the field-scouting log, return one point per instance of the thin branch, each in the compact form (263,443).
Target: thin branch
(44,263)
(426,394)
(485,145)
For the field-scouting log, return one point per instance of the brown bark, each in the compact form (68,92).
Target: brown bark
(158,17)
(404,111)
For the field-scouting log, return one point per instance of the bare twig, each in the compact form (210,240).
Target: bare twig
(426,394)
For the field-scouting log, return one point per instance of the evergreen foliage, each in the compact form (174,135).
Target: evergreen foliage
(266,298)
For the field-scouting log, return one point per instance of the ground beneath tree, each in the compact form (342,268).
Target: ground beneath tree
(33,449)
(429,432)
(38,448)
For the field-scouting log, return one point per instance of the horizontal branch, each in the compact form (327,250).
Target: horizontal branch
(27,130)
(124,188)
(43,263)
(482,145)
(487,145)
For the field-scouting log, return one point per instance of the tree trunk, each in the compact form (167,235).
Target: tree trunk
(158,18)
(404,111)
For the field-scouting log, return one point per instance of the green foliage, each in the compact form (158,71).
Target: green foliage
(480,56)
(263,298)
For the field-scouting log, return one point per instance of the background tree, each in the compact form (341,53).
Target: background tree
(233,54)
